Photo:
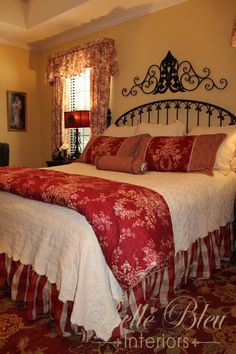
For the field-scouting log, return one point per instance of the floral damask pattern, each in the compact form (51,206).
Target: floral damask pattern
(169,153)
(183,153)
(121,147)
(99,146)
(134,229)
(9,324)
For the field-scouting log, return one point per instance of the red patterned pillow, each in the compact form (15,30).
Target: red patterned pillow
(99,146)
(110,145)
(183,153)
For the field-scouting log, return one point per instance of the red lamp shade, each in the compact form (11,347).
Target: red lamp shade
(76,119)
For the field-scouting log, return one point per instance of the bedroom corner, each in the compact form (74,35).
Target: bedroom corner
(19,73)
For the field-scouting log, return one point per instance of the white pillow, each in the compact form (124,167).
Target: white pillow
(174,129)
(124,131)
(227,148)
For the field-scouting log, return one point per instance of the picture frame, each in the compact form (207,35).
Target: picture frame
(16,110)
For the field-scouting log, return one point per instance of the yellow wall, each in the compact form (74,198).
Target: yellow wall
(196,30)
(19,72)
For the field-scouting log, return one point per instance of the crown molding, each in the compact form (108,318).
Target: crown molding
(93,26)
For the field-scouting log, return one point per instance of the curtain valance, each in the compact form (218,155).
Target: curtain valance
(100,55)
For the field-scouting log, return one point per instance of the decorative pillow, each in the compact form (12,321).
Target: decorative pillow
(184,154)
(133,146)
(142,146)
(100,145)
(175,129)
(124,131)
(227,149)
(127,164)
(107,145)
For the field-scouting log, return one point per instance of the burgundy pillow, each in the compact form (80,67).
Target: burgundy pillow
(132,146)
(183,153)
(111,146)
(129,164)
(99,146)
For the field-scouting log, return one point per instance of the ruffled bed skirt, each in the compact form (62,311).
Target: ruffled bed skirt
(155,291)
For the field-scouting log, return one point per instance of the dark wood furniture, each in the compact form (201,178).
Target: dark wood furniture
(4,154)
(58,162)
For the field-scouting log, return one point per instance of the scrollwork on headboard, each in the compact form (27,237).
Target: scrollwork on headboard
(173,76)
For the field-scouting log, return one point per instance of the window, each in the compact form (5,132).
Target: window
(79,98)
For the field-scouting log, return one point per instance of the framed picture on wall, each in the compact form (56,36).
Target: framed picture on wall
(16,110)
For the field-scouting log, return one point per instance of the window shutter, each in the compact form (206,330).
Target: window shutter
(79,99)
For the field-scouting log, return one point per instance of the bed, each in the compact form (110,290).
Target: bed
(56,258)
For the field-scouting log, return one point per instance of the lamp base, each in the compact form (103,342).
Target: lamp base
(75,155)
(77,152)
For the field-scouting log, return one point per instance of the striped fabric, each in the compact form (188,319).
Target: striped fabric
(156,290)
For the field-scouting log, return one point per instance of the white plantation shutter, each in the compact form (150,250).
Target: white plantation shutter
(79,99)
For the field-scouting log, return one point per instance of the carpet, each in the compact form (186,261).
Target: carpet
(200,319)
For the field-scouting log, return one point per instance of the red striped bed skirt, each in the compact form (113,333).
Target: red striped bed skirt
(155,291)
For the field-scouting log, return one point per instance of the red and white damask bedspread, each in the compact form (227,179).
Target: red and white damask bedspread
(132,223)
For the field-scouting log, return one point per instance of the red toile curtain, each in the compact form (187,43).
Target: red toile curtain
(233,37)
(100,56)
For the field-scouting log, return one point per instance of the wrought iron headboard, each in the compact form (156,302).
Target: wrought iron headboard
(192,113)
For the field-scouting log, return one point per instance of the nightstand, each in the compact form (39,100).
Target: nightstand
(58,162)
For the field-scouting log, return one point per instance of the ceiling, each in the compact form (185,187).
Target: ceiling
(41,24)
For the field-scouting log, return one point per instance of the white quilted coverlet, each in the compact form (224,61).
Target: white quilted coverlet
(60,244)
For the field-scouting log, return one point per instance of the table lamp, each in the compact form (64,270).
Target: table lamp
(77,119)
